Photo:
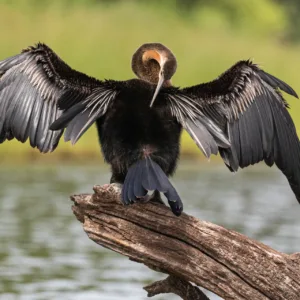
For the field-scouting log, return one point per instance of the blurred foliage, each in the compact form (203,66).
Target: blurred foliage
(98,37)
(280,17)
(292,9)
(269,18)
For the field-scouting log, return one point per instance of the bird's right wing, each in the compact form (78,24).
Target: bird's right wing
(80,111)
(31,87)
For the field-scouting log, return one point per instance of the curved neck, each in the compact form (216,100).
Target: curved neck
(151,60)
(146,67)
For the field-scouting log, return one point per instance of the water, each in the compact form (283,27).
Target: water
(45,254)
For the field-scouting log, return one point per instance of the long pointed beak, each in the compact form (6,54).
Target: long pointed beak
(158,87)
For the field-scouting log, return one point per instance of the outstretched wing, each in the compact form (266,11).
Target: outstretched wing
(246,103)
(205,131)
(31,85)
(81,111)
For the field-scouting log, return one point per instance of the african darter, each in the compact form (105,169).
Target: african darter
(241,114)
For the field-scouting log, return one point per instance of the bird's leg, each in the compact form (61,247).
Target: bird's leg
(117,178)
(114,179)
(154,197)
(143,199)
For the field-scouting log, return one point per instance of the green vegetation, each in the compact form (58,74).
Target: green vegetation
(99,38)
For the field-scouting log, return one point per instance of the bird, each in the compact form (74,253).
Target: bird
(241,115)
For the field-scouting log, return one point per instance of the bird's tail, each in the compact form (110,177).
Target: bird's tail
(145,176)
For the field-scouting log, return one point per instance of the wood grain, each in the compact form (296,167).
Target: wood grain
(223,261)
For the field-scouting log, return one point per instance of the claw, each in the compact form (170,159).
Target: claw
(105,186)
(144,199)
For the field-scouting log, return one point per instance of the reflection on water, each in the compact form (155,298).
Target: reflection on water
(45,254)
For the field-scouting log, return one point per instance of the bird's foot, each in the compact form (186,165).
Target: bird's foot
(154,197)
(105,186)
(143,199)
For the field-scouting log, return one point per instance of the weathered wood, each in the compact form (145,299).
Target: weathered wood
(225,262)
(175,285)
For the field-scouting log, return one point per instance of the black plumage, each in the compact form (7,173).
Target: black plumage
(241,115)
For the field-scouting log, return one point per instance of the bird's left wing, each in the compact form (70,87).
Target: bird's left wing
(31,87)
(189,112)
(246,104)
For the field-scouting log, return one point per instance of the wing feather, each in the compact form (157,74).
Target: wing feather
(31,87)
(203,139)
(78,119)
(258,124)
(202,128)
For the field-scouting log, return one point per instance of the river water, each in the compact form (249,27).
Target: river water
(45,254)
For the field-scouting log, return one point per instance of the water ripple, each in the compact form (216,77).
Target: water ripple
(45,254)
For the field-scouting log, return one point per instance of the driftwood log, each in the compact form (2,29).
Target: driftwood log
(225,262)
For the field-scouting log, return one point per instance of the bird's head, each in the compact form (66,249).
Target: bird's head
(154,63)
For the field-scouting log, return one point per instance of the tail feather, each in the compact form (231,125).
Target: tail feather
(161,178)
(146,176)
(149,182)
(138,188)
(127,195)
(174,201)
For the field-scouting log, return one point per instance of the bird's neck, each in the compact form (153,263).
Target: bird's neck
(149,71)
(167,83)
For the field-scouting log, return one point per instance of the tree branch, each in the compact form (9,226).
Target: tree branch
(223,261)
(175,285)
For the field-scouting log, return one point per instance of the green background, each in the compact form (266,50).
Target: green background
(99,38)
